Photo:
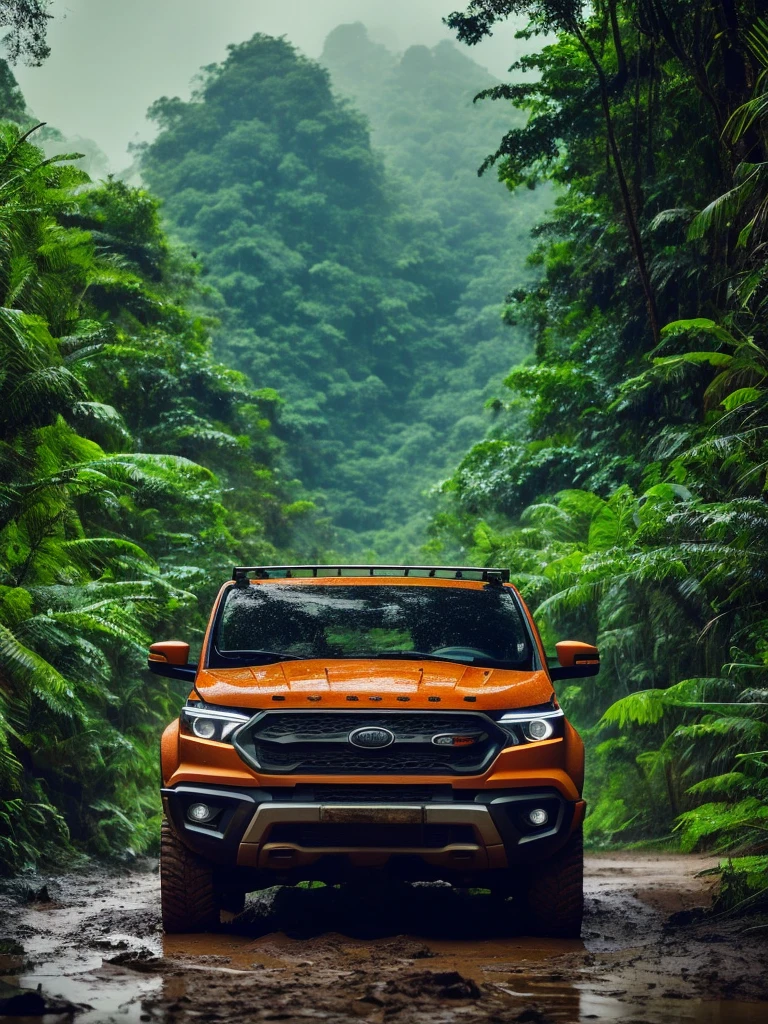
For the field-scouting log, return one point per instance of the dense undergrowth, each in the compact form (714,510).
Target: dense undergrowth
(133,467)
(625,479)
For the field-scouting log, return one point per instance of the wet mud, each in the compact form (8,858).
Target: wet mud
(88,947)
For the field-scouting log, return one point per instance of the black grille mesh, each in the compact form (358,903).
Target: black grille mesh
(332,761)
(336,725)
(317,743)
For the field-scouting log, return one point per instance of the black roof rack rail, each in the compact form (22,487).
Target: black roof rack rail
(457,572)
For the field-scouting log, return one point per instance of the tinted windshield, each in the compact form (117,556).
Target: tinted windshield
(263,622)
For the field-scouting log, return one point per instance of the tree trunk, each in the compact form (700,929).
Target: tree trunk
(626,197)
(621,57)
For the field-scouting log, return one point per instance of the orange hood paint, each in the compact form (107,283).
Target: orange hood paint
(351,683)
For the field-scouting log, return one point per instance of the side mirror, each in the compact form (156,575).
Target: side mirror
(171,658)
(576,660)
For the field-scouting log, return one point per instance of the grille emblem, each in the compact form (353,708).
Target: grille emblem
(371,738)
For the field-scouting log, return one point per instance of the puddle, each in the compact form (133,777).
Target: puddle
(593,1006)
(110,993)
(469,957)
(239,952)
(278,951)
(503,966)
(437,956)
(117,996)
(518,975)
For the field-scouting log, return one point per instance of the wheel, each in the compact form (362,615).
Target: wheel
(189,899)
(554,896)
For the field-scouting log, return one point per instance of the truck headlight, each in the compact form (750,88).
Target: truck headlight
(539,728)
(532,725)
(204,728)
(211,723)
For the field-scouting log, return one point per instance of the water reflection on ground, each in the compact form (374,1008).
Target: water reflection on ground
(409,954)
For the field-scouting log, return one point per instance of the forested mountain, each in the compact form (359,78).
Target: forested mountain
(132,467)
(433,138)
(368,294)
(630,498)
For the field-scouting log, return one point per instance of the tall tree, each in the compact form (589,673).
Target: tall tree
(27,25)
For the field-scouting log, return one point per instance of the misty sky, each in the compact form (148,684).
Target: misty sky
(111,58)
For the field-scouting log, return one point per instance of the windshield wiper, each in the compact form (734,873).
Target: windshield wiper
(244,655)
(410,655)
(416,655)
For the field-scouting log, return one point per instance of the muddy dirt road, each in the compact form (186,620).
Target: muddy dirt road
(423,954)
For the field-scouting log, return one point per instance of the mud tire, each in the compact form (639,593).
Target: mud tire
(189,898)
(554,896)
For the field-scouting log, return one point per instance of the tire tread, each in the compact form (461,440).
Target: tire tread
(555,892)
(189,900)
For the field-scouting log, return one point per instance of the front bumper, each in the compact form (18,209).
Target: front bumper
(294,831)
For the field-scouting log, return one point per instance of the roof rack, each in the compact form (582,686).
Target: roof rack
(267,572)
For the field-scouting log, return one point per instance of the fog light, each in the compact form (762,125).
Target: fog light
(205,728)
(200,812)
(538,816)
(539,729)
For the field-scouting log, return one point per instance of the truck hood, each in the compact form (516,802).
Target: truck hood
(349,683)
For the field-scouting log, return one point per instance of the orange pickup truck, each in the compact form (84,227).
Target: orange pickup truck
(346,721)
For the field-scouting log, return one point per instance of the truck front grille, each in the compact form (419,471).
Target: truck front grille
(318,743)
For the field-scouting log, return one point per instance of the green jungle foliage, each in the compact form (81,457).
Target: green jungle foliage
(132,467)
(368,293)
(626,481)
(357,290)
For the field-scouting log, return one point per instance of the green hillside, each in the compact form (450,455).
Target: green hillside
(367,291)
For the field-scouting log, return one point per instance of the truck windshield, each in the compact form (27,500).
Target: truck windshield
(265,623)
